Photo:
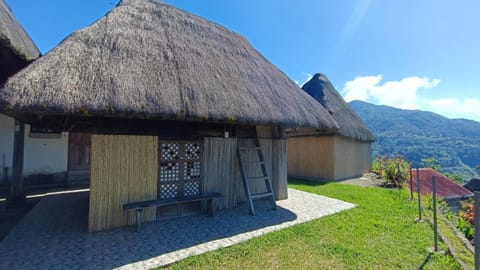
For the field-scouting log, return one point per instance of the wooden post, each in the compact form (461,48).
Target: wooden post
(477,230)
(411,184)
(419,197)
(4,170)
(17,195)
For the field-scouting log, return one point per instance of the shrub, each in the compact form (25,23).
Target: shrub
(466,221)
(468,213)
(393,170)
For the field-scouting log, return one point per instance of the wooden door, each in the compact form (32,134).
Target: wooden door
(179,175)
(79,151)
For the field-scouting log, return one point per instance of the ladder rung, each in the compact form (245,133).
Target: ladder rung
(261,195)
(255,161)
(248,148)
(258,178)
(243,153)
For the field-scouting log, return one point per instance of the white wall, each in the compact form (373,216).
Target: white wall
(41,155)
(7,124)
(45,155)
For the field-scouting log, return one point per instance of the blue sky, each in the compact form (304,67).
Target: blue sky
(407,54)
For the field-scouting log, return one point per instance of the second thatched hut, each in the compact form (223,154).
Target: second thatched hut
(166,97)
(326,155)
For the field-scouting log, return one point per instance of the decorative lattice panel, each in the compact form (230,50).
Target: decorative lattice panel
(191,170)
(192,151)
(191,188)
(179,169)
(169,171)
(168,191)
(170,151)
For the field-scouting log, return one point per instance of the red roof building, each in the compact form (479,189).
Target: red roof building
(446,188)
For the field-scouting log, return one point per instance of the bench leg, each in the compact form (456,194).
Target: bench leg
(212,205)
(138,218)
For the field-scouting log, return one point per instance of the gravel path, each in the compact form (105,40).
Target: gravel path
(54,234)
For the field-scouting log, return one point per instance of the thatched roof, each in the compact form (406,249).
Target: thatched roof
(148,60)
(16,47)
(351,126)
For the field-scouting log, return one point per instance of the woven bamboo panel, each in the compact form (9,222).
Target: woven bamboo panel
(311,157)
(352,158)
(264,132)
(222,171)
(256,170)
(279,169)
(222,168)
(123,170)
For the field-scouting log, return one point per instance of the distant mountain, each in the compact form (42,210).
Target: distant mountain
(454,143)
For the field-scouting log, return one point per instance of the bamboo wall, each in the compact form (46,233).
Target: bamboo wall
(222,169)
(352,158)
(279,169)
(123,170)
(327,157)
(311,157)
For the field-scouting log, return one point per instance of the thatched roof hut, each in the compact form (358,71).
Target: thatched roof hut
(170,98)
(148,60)
(317,153)
(350,124)
(16,47)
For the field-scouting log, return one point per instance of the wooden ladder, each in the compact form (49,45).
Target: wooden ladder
(245,164)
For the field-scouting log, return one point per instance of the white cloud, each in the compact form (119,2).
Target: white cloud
(403,94)
(359,88)
(457,108)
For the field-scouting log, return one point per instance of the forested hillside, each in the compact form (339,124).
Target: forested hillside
(454,143)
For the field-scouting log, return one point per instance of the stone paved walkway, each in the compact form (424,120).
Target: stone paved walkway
(366,180)
(54,234)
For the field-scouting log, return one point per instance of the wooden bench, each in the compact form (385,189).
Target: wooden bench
(210,198)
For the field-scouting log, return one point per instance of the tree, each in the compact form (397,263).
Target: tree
(455,177)
(431,163)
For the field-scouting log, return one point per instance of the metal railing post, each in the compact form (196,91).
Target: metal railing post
(477,230)
(411,185)
(419,197)
(435,225)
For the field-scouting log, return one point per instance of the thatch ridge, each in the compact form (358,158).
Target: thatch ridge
(149,60)
(16,47)
(351,125)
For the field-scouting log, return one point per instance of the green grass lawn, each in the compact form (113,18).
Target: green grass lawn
(380,233)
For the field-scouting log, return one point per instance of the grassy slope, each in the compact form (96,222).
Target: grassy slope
(378,234)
